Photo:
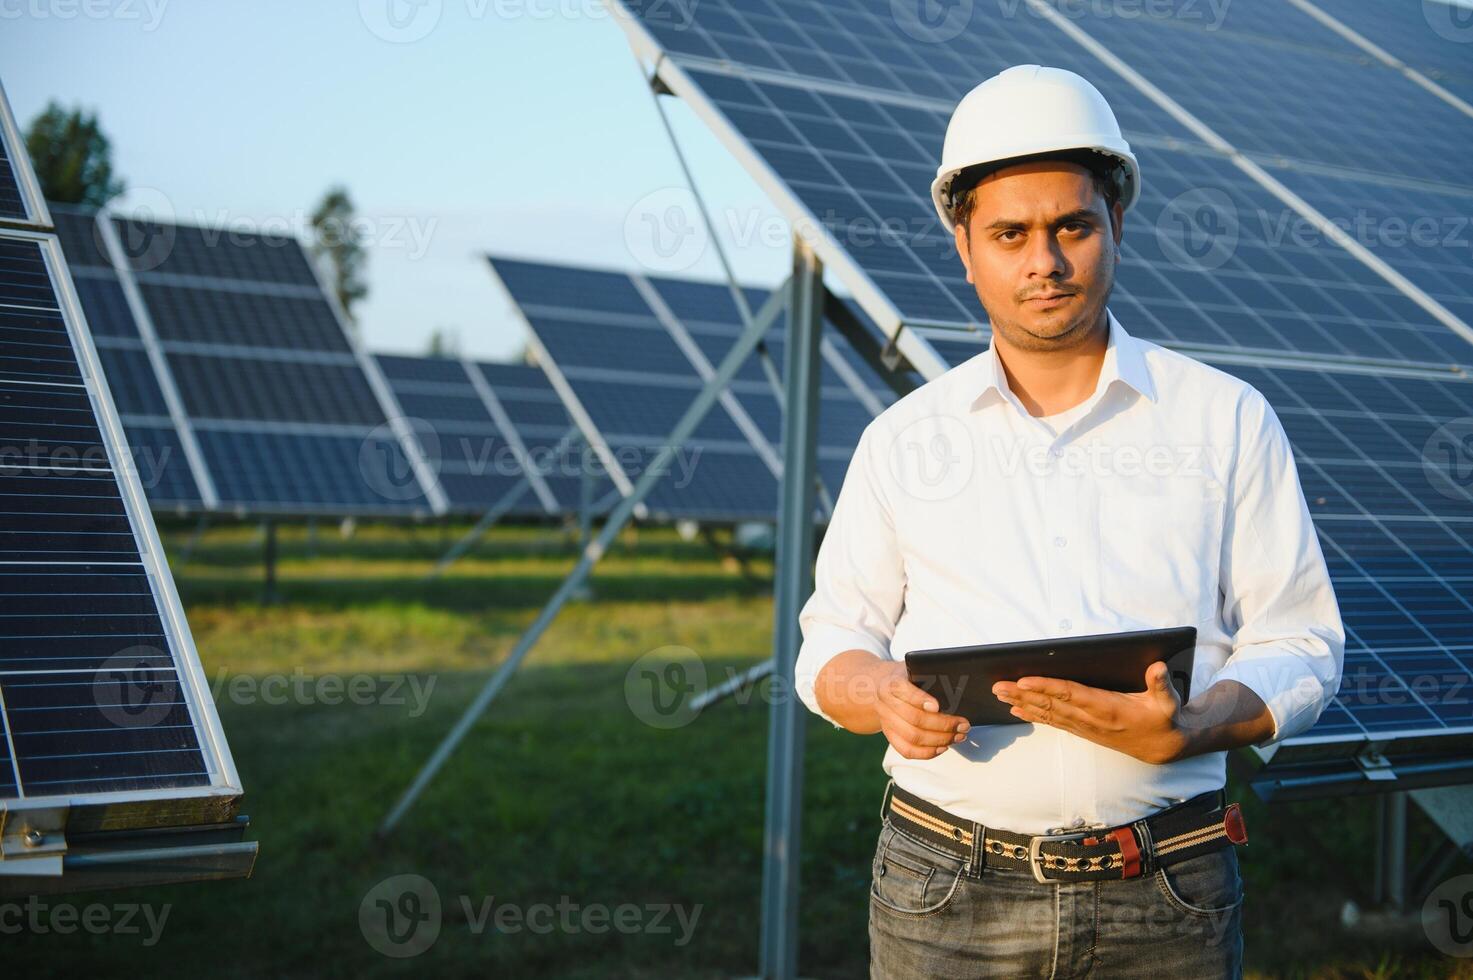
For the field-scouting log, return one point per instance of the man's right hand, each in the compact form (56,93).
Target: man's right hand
(910,718)
(866,694)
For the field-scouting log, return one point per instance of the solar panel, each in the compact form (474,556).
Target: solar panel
(850,393)
(16,204)
(102,703)
(455,418)
(850,153)
(626,383)
(534,411)
(632,351)
(1424,233)
(1432,37)
(1288,100)
(277,408)
(155,444)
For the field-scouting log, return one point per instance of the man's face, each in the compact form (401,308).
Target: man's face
(1040,229)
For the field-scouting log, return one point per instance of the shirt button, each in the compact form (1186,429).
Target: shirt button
(1065,624)
(1060,541)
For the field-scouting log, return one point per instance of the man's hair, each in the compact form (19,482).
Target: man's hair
(1101,167)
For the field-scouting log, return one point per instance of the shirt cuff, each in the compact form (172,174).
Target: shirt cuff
(1294,694)
(822,643)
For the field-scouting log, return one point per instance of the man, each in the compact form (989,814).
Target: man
(1070,480)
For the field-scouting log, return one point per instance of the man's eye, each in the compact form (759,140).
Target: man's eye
(1003,236)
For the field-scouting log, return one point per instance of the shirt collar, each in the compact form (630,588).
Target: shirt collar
(1124,362)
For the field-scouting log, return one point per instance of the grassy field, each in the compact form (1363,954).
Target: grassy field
(560,796)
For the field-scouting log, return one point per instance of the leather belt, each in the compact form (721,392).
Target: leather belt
(1175,833)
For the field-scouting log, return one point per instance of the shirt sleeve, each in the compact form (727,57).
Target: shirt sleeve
(859,577)
(1278,603)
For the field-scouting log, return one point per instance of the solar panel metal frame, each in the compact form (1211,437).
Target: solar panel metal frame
(25,175)
(917,341)
(216,802)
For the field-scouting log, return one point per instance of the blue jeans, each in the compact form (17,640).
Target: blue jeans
(928,919)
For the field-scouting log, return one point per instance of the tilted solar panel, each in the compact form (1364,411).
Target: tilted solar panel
(15,204)
(626,382)
(475,460)
(539,419)
(154,439)
(1432,37)
(105,717)
(848,154)
(286,414)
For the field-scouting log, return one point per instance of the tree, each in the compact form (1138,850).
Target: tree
(72,157)
(336,238)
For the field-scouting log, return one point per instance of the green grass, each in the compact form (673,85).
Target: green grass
(560,792)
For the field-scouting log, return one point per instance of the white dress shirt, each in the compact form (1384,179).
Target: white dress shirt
(1169,497)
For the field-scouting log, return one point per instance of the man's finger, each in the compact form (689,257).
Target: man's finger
(929,736)
(1158,682)
(1052,710)
(1081,726)
(929,720)
(1060,689)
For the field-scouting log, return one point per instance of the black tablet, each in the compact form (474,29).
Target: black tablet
(961,678)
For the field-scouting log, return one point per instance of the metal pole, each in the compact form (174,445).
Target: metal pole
(794,580)
(730,686)
(1391,850)
(585,513)
(593,551)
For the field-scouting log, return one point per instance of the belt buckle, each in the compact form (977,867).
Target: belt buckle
(1038,840)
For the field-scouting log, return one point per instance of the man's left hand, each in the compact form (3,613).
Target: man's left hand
(1146,725)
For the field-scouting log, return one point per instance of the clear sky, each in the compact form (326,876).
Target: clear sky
(518,127)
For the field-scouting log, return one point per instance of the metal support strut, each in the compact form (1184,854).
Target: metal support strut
(593,551)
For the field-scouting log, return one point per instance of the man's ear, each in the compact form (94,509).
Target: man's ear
(961,248)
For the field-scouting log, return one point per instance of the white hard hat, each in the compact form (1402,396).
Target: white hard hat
(1030,110)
